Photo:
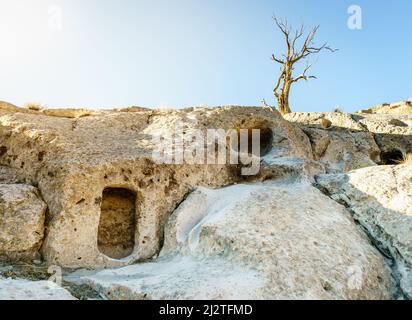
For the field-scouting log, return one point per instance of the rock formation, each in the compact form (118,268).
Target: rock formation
(326,216)
(356,140)
(380,199)
(22,214)
(75,163)
(276,240)
(401,107)
(32,290)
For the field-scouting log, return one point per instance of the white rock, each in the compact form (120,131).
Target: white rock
(355,140)
(32,290)
(381,200)
(74,155)
(260,241)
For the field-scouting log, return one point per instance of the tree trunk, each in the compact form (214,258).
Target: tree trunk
(283,99)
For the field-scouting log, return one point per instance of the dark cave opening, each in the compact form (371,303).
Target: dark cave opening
(117,225)
(264,138)
(392,157)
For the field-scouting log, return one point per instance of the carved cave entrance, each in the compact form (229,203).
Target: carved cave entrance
(392,157)
(117,226)
(265,139)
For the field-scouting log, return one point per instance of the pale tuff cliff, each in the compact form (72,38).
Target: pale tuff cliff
(401,107)
(326,215)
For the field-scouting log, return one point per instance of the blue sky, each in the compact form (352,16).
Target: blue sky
(108,53)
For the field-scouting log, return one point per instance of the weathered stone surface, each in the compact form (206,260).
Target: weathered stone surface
(9,176)
(277,240)
(73,160)
(344,146)
(271,235)
(401,107)
(8,107)
(11,289)
(381,200)
(343,151)
(22,214)
(67,113)
(355,140)
(315,119)
(391,132)
(293,168)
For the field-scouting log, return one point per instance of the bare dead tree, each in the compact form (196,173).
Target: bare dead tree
(292,56)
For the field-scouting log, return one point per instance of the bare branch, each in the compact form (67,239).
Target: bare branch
(308,49)
(286,30)
(283,26)
(265,105)
(277,60)
(323,47)
(303,74)
(298,35)
(278,83)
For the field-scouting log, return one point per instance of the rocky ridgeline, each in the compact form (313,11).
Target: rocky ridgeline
(401,107)
(328,215)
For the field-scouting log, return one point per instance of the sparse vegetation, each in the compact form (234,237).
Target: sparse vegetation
(33,106)
(407,159)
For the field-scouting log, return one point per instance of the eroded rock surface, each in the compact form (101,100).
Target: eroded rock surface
(22,214)
(11,289)
(356,140)
(74,160)
(260,241)
(177,232)
(381,201)
(401,107)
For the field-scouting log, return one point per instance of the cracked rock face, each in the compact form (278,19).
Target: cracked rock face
(82,188)
(259,241)
(381,201)
(22,214)
(401,107)
(74,158)
(355,140)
